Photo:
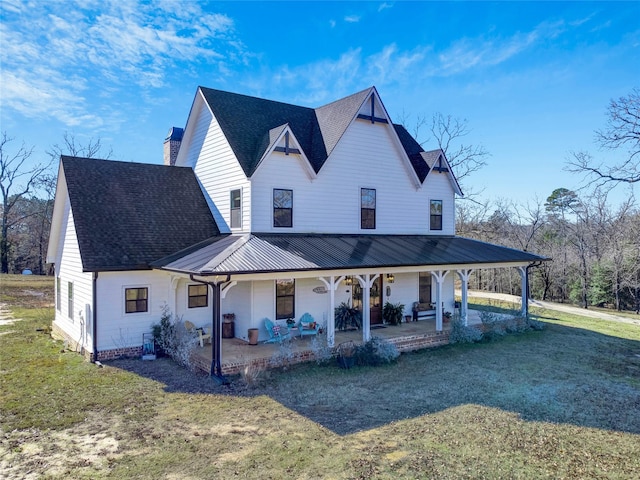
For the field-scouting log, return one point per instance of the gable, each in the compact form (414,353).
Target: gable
(250,123)
(130,214)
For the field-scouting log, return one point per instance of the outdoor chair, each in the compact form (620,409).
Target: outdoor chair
(203,336)
(307,325)
(276,332)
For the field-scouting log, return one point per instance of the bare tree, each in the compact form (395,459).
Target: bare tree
(16,181)
(448,133)
(71,146)
(622,132)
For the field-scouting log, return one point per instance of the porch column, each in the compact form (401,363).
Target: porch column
(439,276)
(173,289)
(464,303)
(366,284)
(332,285)
(525,290)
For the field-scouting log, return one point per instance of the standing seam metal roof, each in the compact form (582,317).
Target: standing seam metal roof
(265,252)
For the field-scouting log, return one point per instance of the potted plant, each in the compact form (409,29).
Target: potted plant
(347,317)
(392,313)
(346,354)
(447,316)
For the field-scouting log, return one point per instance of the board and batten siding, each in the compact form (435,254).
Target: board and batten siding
(69,269)
(117,329)
(208,152)
(365,157)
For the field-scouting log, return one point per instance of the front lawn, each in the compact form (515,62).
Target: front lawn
(560,403)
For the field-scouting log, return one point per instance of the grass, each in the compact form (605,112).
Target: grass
(561,403)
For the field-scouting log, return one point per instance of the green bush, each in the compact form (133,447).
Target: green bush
(173,338)
(392,313)
(347,317)
(493,326)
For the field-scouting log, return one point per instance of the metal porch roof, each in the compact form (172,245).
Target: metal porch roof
(266,252)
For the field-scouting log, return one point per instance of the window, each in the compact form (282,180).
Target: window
(136,300)
(70,300)
(58,293)
(198,296)
(236,209)
(282,208)
(285,298)
(435,209)
(424,286)
(367,208)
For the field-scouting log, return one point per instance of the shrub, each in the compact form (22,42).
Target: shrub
(321,351)
(173,338)
(251,374)
(535,324)
(494,326)
(282,357)
(461,333)
(376,351)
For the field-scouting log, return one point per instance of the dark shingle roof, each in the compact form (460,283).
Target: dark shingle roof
(127,215)
(247,121)
(265,252)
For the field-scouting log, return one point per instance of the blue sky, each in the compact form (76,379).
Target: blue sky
(533,80)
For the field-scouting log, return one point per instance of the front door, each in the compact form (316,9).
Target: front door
(375,300)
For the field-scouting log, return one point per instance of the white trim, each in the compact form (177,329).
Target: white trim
(124,300)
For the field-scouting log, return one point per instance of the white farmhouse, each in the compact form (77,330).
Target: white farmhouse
(265,210)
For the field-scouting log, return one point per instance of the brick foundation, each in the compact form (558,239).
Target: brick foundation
(129,352)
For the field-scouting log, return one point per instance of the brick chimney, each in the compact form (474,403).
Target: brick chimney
(172,145)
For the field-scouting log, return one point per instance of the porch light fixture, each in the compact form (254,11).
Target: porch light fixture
(390,278)
(348,280)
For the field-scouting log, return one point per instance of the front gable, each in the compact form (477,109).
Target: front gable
(282,144)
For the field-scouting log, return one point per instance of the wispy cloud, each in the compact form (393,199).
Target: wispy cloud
(384,6)
(51,50)
(352,18)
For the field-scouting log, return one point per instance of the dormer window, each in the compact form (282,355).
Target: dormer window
(282,208)
(435,219)
(367,208)
(235,215)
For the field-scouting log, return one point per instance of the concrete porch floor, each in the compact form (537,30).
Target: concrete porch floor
(237,353)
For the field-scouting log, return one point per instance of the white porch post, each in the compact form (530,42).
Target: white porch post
(366,283)
(173,290)
(439,276)
(332,285)
(464,303)
(525,290)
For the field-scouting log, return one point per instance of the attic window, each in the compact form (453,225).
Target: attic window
(440,166)
(236,208)
(372,118)
(287,149)
(367,208)
(435,219)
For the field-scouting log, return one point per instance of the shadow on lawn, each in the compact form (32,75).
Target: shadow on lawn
(562,374)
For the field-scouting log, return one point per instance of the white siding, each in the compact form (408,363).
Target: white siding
(69,269)
(366,157)
(209,154)
(117,329)
(239,301)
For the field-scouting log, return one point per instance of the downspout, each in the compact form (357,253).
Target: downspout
(94,323)
(216,354)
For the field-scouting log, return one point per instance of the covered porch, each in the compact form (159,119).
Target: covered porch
(414,335)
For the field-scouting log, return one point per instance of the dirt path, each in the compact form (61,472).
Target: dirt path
(560,307)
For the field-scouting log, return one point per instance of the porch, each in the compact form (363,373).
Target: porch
(237,353)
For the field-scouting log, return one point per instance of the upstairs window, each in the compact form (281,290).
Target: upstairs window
(367,208)
(282,208)
(136,300)
(198,296)
(70,300)
(236,209)
(435,209)
(285,299)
